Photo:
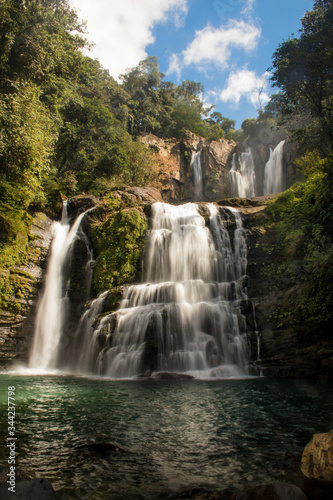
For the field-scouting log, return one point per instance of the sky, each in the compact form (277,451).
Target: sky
(227,45)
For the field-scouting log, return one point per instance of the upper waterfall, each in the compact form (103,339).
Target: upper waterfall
(273,181)
(196,167)
(242,175)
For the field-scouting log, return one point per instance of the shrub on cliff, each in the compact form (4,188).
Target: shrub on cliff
(299,237)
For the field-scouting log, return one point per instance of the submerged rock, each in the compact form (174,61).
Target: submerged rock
(272,491)
(103,450)
(194,493)
(317,467)
(172,376)
(32,489)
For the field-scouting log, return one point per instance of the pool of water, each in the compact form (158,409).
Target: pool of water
(224,434)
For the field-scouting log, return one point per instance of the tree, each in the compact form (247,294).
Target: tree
(26,141)
(303,70)
(226,124)
(250,126)
(142,84)
(39,38)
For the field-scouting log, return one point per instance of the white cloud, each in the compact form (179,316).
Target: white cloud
(245,83)
(248,7)
(213,46)
(175,65)
(122,29)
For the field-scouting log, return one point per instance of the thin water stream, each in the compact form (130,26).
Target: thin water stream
(196,167)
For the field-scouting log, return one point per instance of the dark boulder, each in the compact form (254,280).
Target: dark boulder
(32,489)
(172,376)
(80,203)
(272,491)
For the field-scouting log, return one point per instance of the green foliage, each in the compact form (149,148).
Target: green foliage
(299,238)
(14,236)
(119,235)
(303,71)
(264,128)
(25,145)
(235,135)
(66,125)
(14,230)
(39,38)
(149,104)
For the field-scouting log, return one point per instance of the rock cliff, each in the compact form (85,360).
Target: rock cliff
(24,282)
(176,173)
(288,348)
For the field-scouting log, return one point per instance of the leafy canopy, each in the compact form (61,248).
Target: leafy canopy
(303,70)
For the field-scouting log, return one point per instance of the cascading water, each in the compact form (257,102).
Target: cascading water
(186,317)
(52,307)
(196,167)
(242,175)
(82,354)
(273,180)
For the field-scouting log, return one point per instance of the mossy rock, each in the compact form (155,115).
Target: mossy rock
(119,238)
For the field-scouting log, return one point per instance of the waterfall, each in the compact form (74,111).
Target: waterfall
(273,180)
(242,175)
(186,316)
(196,167)
(52,306)
(83,352)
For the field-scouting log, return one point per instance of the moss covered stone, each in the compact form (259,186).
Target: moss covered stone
(119,236)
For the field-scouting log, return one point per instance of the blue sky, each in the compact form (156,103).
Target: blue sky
(227,45)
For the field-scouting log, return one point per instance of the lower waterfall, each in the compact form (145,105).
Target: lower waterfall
(186,316)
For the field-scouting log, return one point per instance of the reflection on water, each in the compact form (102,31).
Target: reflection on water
(224,434)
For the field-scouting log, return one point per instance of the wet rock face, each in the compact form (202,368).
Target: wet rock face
(17,316)
(80,203)
(216,163)
(175,157)
(143,195)
(216,158)
(317,467)
(285,349)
